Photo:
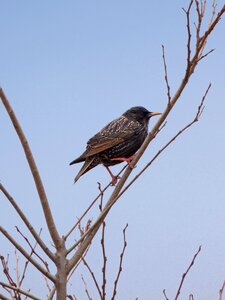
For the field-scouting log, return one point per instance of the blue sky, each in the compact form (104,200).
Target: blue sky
(69,68)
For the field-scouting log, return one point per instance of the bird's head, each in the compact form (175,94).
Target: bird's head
(140,114)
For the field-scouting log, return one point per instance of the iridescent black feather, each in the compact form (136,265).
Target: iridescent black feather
(121,138)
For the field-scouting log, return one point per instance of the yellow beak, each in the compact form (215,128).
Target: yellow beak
(151,114)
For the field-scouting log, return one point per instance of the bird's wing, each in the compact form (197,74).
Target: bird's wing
(93,149)
(114,133)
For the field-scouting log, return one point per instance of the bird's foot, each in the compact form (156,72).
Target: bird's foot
(114,178)
(128,160)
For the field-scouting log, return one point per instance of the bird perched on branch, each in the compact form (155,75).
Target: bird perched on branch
(116,142)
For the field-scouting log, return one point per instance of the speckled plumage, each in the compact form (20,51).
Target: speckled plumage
(121,138)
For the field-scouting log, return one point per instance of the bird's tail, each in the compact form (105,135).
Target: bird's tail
(77,160)
(88,165)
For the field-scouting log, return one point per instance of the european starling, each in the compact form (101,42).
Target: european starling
(116,142)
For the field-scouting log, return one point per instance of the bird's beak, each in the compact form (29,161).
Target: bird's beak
(151,114)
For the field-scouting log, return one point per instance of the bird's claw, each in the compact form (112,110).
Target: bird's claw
(114,180)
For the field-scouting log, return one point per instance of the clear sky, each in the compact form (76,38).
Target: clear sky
(70,67)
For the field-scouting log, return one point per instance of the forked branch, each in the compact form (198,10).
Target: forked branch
(27,223)
(27,255)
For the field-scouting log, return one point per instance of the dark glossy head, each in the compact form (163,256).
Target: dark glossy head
(140,114)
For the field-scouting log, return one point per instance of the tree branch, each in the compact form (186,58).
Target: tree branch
(103,297)
(166,75)
(93,276)
(86,288)
(120,264)
(27,255)
(32,249)
(164,293)
(86,211)
(27,223)
(19,290)
(186,272)
(26,264)
(34,170)
(2,297)
(221,291)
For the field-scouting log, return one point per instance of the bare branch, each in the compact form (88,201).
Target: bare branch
(51,294)
(201,43)
(187,12)
(93,276)
(164,293)
(86,289)
(186,272)
(47,284)
(26,264)
(2,297)
(104,261)
(19,290)
(34,170)
(221,291)
(206,54)
(120,264)
(166,75)
(4,262)
(26,255)
(27,223)
(214,5)
(86,211)
(17,267)
(32,249)
(103,248)
(200,13)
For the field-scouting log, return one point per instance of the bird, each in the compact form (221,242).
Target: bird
(116,142)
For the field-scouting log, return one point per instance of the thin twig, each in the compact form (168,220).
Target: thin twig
(34,170)
(26,255)
(86,211)
(32,249)
(27,223)
(221,291)
(93,276)
(186,272)
(104,262)
(4,262)
(85,287)
(166,74)
(187,12)
(103,297)
(27,262)
(51,294)
(120,264)
(84,255)
(164,293)
(18,290)
(47,284)
(17,268)
(206,54)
